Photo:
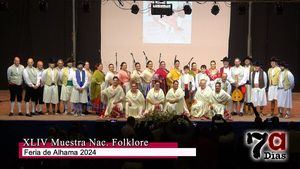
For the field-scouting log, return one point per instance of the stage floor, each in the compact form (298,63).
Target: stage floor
(4,110)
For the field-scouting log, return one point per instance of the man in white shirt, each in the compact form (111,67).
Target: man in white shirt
(60,66)
(15,81)
(30,75)
(39,101)
(202,75)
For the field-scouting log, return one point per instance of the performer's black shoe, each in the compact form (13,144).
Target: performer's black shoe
(58,111)
(20,114)
(233,113)
(28,115)
(40,113)
(241,114)
(34,113)
(10,114)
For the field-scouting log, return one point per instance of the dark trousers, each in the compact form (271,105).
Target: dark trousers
(40,93)
(59,91)
(15,91)
(30,94)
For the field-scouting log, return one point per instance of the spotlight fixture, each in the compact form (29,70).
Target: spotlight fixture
(86,6)
(43,5)
(135,9)
(3,5)
(279,8)
(242,9)
(187,9)
(215,9)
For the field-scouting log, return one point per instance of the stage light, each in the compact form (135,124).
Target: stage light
(215,9)
(3,5)
(43,5)
(86,6)
(242,9)
(187,9)
(279,8)
(135,9)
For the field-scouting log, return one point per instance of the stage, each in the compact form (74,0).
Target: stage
(4,110)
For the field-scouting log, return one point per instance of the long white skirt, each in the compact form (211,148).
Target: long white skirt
(258,97)
(77,97)
(247,97)
(50,94)
(199,109)
(272,93)
(134,111)
(66,92)
(284,98)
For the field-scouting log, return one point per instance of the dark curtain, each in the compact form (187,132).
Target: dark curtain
(272,35)
(28,32)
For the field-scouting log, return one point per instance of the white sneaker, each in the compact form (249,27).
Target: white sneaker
(65,113)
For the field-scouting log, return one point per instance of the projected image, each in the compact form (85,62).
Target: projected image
(174,29)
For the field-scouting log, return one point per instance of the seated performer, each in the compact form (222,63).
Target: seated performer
(258,80)
(66,79)
(135,102)
(225,84)
(213,72)
(114,96)
(50,79)
(147,76)
(161,75)
(15,81)
(174,73)
(30,75)
(219,100)
(155,99)
(285,86)
(202,100)
(124,77)
(136,75)
(202,75)
(97,84)
(79,91)
(187,84)
(175,100)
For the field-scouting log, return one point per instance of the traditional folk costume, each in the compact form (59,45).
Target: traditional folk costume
(66,79)
(136,77)
(161,76)
(248,70)
(78,98)
(147,76)
(285,86)
(176,96)
(30,75)
(97,84)
(238,76)
(109,78)
(59,87)
(273,74)
(88,105)
(201,76)
(155,101)
(212,74)
(15,80)
(114,97)
(201,103)
(50,78)
(40,92)
(194,72)
(187,84)
(225,70)
(173,75)
(225,85)
(219,100)
(137,104)
(124,77)
(259,82)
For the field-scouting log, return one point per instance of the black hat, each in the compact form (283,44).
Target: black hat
(80,63)
(282,63)
(257,63)
(225,59)
(248,58)
(52,60)
(273,59)
(69,60)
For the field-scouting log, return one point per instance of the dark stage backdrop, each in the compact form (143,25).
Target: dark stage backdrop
(26,31)
(272,35)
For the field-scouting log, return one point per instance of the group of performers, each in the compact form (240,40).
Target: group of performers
(197,93)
